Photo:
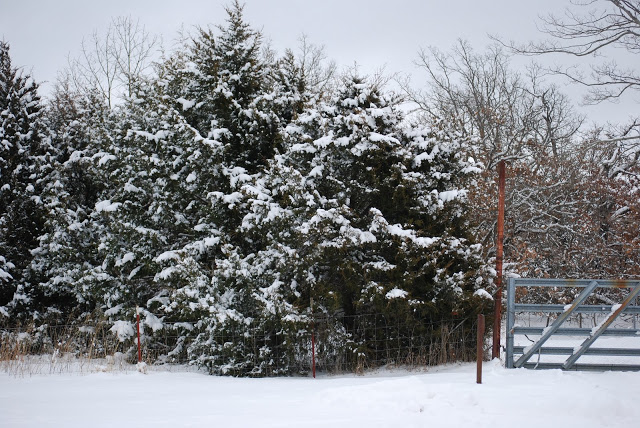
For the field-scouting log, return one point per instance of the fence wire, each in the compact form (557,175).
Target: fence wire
(343,344)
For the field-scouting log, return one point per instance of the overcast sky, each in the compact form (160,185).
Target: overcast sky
(371,33)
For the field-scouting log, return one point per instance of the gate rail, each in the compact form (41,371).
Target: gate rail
(578,306)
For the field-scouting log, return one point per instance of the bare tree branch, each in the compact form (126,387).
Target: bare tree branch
(112,63)
(605,25)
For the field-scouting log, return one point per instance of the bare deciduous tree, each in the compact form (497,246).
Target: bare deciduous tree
(525,121)
(110,64)
(316,70)
(604,25)
(509,114)
(133,49)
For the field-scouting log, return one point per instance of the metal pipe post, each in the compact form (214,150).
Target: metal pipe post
(138,327)
(313,353)
(480,348)
(495,350)
(313,341)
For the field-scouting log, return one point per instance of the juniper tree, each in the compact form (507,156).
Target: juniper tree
(66,251)
(356,213)
(227,99)
(24,153)
(394,205)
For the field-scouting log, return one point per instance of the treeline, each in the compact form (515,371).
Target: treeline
(226,188)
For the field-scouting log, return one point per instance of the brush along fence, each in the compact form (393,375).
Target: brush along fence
(342,344)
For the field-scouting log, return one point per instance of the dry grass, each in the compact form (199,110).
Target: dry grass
(46,349)
(90,346)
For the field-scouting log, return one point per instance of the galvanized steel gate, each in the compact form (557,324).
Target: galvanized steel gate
(584,337)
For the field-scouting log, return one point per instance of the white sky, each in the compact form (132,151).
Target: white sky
(371,33)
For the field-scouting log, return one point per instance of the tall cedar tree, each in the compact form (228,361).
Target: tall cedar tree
(67,250)
(23,145)
(229,101)
(357,214)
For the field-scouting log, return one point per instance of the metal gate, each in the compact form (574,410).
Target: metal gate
(567,324)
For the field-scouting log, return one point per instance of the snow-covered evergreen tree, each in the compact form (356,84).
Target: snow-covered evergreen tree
(300,80)
(221,89)
(384,217)
(250,323)
(24,152)
(225,194)
(66,251)
(159,171)
(385,212)
(228,99)
(356,213)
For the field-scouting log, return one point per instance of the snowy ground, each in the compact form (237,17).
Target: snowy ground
(443,397)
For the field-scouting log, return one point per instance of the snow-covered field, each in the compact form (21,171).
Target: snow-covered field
(441,397)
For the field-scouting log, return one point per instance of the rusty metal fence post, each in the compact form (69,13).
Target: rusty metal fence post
(495,350)
(480,348)
(138,330)
(313,341)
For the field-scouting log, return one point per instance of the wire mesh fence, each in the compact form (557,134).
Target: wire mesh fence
(376,341)
(61,348)
(342,344)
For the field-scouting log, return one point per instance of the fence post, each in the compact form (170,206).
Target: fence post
(480,348)
(511,321)
(495,350)
(313,342)
(138,328)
